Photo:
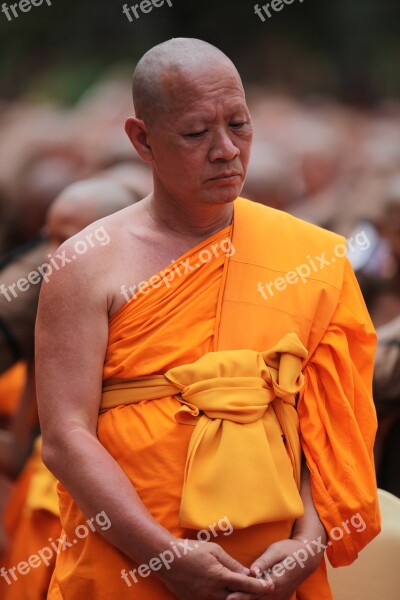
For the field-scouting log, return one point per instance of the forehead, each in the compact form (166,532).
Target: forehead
(203,90)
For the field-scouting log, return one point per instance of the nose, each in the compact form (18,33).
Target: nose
(222,147)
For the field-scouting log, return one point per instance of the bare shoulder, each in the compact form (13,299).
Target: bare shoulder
(83,268)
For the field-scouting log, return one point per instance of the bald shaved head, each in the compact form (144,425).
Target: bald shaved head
(161,67)
(82,203)
(94,198)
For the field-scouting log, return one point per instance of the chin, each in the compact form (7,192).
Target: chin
(222,196)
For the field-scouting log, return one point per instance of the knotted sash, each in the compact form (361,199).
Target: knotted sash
(244,454)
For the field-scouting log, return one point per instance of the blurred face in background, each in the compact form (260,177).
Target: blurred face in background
(390,229)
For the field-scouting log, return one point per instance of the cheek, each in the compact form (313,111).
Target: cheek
(245,149)
(190,161)
(179,157)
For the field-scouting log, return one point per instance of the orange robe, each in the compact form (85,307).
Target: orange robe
(12,383)
(32,519)
(31,516)
(216,307)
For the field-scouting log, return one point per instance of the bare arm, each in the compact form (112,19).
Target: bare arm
(308,527)
(71,341)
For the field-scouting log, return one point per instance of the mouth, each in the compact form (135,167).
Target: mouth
(226,178)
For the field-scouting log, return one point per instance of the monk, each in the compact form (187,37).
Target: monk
(218,414)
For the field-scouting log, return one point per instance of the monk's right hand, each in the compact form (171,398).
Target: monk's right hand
(205,570)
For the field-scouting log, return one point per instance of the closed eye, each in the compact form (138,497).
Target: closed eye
(196,134)
(238,125)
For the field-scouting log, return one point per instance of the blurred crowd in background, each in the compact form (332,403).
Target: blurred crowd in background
(62,168)
(322,161)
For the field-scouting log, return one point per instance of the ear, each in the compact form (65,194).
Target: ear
(136,131)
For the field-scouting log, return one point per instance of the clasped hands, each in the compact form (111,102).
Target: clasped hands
(209,573)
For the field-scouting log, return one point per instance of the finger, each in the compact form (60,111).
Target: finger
(247,585)
(229,562)
(273,555)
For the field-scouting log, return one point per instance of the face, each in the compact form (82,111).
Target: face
(200,146)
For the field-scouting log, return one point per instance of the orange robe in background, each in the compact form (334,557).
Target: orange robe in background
(12,384)
(32,515)
(217,307)
(32,518)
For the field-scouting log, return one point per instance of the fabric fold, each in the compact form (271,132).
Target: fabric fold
(337,415)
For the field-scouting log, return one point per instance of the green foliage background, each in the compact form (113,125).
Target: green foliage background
(345,48)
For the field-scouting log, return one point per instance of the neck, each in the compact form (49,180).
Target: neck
(199,221)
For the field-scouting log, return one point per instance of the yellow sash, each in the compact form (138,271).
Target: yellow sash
(244,455)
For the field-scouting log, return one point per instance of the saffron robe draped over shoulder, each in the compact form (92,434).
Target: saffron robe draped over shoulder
(221,306)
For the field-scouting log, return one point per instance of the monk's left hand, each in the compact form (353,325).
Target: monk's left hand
(286,564)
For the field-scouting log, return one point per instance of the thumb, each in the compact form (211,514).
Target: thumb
(229,562)
(273,555)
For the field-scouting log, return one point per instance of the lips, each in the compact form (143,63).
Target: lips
(225,176)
